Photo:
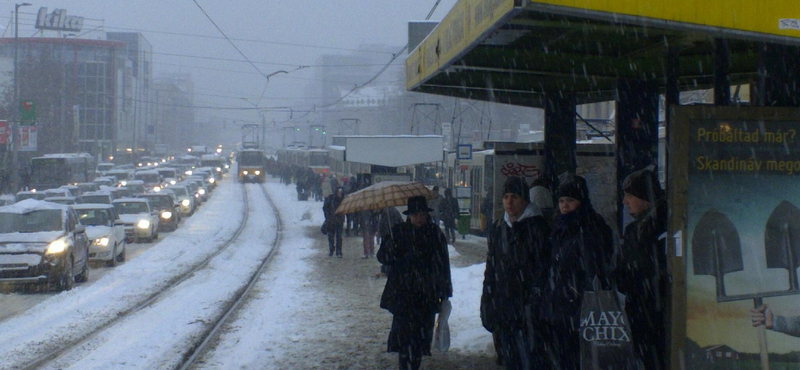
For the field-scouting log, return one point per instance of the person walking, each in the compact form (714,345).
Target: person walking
(435,205)
(641,267)
(516,274)
(334,222)
(418,282)
(369,227)
(582,249)
(449,213)
(389,217)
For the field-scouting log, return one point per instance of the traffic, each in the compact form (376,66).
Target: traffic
(78,215)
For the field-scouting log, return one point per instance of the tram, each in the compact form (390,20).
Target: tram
(252,165)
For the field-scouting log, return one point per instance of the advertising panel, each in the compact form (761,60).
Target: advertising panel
(28,139)
(741,234)
(515,159)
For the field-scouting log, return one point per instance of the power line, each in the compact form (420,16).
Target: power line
(222,38)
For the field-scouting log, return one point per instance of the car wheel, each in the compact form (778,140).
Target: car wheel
(113,261)
(67,280)
(123,255)
(84,275)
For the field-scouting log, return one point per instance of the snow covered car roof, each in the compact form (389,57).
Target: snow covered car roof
(129,200)
(92,206)
(147,172)
(99,192)
(30,205)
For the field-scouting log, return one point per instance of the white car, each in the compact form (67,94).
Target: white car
(185,199)
(138,218)
(105,230)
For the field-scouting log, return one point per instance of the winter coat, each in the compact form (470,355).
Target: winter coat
(369,221)
(448,210)
(329,209)
(419,269)
(516,271)
(640,272)
(327,189)
(581,248)
(389,217)
(435,205)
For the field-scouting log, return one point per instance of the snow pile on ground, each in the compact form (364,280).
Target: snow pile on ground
(466,331)
(266,323)
(68,316)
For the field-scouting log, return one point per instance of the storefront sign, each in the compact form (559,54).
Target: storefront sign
(58,20)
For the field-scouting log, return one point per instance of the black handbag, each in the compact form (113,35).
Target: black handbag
(324,228)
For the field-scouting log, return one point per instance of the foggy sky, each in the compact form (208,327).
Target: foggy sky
(341,24)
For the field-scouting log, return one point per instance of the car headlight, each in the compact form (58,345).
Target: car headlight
(143,224)
(227,166)
(218,169)
(202,191)
(258,173)
(211,180)
(123,183)
(186,202)
(166,215)
(187,173)
(57,246)
(244,172)
(157,189)
(197,195)
(172,182)
(103,242)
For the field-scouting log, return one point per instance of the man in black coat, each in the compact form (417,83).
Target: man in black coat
(334,223)
(418,282)
(582,250)
(516,269)
(641,267)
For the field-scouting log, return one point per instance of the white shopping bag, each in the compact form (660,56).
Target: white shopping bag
(441,334)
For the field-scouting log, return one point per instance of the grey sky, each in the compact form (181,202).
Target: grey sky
(341,24)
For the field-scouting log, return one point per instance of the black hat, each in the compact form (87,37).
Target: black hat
(644,185)
(417,205)
(573,186)
(517,185)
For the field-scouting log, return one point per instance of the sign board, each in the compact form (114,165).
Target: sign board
(464,152)
(28,139)
(27,113)
(58,20)
(733,235)
(5,132)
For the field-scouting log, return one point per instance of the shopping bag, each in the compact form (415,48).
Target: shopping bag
(605,334)
(441,334)
(324,228)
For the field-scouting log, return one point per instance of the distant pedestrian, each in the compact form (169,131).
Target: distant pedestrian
(418,282)
(449,212)
(581,250)
(435,204)
(641,267)
(369,227)
(334,222)
(515,276)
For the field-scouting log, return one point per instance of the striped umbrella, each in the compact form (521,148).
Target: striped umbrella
(382,195)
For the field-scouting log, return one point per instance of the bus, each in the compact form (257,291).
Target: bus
(54,170)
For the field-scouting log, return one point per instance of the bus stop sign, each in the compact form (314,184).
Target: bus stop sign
(464,152)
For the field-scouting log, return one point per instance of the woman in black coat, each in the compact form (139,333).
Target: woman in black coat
(418,281)
(582,249)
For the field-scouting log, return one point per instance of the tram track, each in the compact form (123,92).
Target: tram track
(52,355)
(73,354)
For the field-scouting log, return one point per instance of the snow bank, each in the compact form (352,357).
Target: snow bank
(466,331)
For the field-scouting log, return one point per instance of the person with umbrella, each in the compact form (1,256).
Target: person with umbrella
(582,249)
(334,222)
(641,267)
(418,282)
(516,273)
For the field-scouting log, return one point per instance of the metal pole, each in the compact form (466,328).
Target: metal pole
(15,107)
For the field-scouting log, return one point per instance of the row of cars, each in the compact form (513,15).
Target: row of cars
(48,237)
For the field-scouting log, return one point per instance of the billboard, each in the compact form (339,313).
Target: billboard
(734,195)
(28,139)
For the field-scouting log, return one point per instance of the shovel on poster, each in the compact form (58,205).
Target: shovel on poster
(717,250)
(782,241)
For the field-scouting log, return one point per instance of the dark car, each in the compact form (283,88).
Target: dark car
(167,207)
(42,243)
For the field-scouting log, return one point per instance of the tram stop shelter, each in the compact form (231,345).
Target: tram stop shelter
(556,54)
(385,157)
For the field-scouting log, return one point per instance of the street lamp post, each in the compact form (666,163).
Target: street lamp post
(15,108)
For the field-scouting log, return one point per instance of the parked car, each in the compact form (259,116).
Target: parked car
(96,197)
(42,243)
(106,232)
(166,207)
(140,223)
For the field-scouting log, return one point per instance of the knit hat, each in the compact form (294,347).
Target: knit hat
(517,185)
(644,185)
(573,186)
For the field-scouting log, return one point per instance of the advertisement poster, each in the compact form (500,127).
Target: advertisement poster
(27,139)
(742,238)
